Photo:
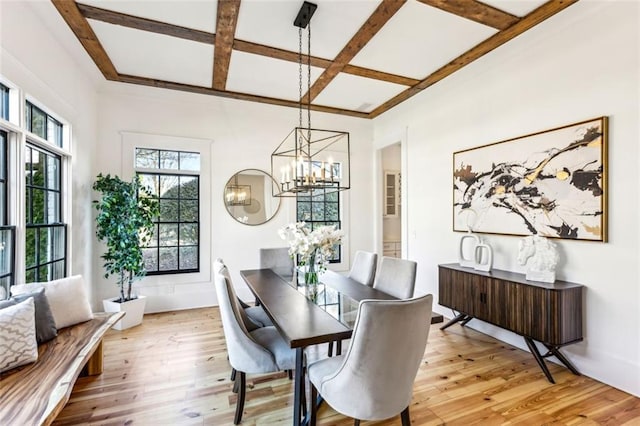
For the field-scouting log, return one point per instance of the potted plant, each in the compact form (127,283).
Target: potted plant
(124,222)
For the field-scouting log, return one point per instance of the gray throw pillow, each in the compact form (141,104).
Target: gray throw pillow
(45,324)
(6,303)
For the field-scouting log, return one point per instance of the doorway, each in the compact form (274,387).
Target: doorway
(391,165)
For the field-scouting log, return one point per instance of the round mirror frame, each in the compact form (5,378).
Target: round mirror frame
(248,203)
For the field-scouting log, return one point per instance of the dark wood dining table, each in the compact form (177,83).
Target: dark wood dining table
(302,322)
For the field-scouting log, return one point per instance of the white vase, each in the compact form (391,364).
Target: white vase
(134,310)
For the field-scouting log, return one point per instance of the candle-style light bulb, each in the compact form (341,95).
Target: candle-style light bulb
(331,168)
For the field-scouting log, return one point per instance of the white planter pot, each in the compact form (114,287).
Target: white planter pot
(134,311)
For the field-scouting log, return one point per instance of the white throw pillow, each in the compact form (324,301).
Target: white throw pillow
(67,299)
(18,335)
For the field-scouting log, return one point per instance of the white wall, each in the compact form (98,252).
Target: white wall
(580,64)
(244,135)
(35,62)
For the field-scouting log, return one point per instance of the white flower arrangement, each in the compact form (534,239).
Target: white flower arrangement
(316,247)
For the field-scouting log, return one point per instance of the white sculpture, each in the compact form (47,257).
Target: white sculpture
(542,255)
(467,250)
(483,257)
(472,251)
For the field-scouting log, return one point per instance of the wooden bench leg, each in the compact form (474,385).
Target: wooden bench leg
(95,363)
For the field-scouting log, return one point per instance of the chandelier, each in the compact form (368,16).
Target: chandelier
(236,194)
(310,159)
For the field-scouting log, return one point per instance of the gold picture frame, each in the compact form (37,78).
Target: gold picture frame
(551,183)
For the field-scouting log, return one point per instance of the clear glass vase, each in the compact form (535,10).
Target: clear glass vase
(311,280)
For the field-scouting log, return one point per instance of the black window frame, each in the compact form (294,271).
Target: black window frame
(8,276)
(159,221)
(312,199)
(7,232)
(4,177)
(48,120)
(46,228)
(4,102)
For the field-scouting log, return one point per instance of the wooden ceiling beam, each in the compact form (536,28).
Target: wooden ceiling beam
(81,28)
(475,11)
(162,84)
(276,53)
(539,15)
(370,28)
(379,75)
(143,24)
(286,55)
(225,33)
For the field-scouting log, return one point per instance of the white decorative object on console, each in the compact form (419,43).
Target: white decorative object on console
(483,257)
(542,255)
(467,249)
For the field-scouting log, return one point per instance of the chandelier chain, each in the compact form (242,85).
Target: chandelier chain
(309,82)
(300,75)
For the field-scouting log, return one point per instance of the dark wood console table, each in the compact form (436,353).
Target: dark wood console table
(550,313)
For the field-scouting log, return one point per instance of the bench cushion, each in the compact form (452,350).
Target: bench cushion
(67,298)
(18,344)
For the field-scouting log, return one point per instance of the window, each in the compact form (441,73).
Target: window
(4,102)
(31,212)
(45,245)
(7,233)
(3,178)
(42,124)
(320,208)
(175,246)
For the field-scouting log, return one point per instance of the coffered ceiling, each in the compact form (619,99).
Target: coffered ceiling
(367,56)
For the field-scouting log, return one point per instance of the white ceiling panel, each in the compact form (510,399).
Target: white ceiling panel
(157,56)
(419,39)
(517,8)
(198,14)
(333,24)
(362,94)
(263,76)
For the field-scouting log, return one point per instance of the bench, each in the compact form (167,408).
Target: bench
(34,394)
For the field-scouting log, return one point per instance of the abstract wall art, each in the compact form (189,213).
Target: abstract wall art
(551,183)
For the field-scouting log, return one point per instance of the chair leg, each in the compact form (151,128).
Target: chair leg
(330,352)
(406,420)
(241,394)
(290,374)
(233,375)
(356,422)
(303,400)
(314,405)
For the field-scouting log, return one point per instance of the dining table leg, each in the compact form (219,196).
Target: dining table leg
(298,392)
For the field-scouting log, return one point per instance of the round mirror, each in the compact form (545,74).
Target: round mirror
(248,199)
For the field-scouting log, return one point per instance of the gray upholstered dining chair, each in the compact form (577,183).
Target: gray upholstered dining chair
(262,350)
(396,277)
(364,266)
(374,379)
(252,316)
(279,260)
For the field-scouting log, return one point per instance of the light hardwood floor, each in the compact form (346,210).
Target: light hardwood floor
(173,370)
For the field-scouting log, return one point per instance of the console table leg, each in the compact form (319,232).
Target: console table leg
(555,351)
(460,317)
(539,359)
(465,321)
